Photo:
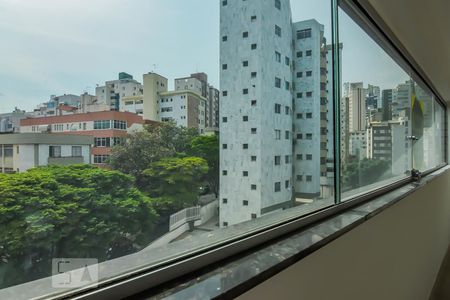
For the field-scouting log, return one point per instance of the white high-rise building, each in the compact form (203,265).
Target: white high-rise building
(357,107)
(255,109)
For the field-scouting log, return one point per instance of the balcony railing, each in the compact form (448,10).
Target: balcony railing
(184,216)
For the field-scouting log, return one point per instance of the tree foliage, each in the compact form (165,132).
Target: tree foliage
(70,211)
(174,182)
(363,172)
(207,147)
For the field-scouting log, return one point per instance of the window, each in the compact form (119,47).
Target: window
(277,160)
(277,186)
(299,54)
(253,103)
(287,184)
(224,146)
(253,75)
(278,4)
(287,110)
(308,73)
(277,56)
(308,156)
(101,159)
(299,136)
(245,118)
(253,187)
(299,74)
(224,93)
(224,2)
(224,38)
(299,95)
(303,34)
(245,63)
(277,108)
(253,18)
(278,30)
(76,151)
(245,173)
(299,156)
(277,134)
(224,200)
(253,158)
(224,66)
(224,119)
(308,178)
(309,115)
(245,202)
(277,82)
(224,172)
(308,52)
(287,159)
(253,130)
(287,135)
(245,91)
(287,61)
(309,136)
(309,94)
(299,116)
(245,34)
(253,46)
(55,151)
(244,146)
(287,85)
(299,177)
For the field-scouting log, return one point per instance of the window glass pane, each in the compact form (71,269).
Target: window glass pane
(428,129)
(375,113)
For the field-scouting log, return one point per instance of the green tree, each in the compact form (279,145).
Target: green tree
(207,147)
(70,211)
(150,145)
(358,173)
(174,183)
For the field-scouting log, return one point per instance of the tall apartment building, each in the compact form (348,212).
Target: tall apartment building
(113,91)
(356,107)
(311,105)
(255,109)
(108,128)
(387,97)
(373,99)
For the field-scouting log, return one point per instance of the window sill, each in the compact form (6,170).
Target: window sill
(240,273)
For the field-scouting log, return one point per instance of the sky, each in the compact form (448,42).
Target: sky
(55,47)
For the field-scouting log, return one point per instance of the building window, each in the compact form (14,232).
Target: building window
(224,93)
(287,85)
(277,160)
(308,156)
(245,202)
(224,119)
(224,38)
(277,134)
(253,103)
(287,110)
(299,95)
(253,46)
(245,91)
(309,115)
(309,136)
(245,63)
(245,34)
(278,4)
(299,177)
(225,224)
(277,186)
(253,18)
(253,75)
(308,73)
(76,151)
(224,172)
(303,34)
(244,146)
(308,178)
(299,136)
(308,52)
(299,156)
(299,116)
(100,159)
(287,159)
(224,2)
(277,56)
(277,30)
(253,130)
(278,108)
(299,54)
(253,158)
(245,118)
(245,173)
(224,146)
(224,66)
(54,151)
(287,61)
(287,184)
(299,74)
(253,187)
(253,216)
(309,94)
(224,200)
(277,82)
(287,135)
